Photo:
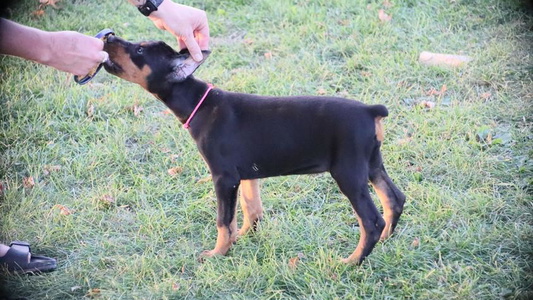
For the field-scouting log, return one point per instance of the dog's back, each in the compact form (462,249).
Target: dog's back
(287,135)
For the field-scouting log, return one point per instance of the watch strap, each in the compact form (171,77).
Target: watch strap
(149,6)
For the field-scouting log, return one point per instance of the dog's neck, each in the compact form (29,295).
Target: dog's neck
(181,97)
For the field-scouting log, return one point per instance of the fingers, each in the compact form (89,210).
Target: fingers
(202,36)
(86,57)
(194,48)
(104,56)
(189,25)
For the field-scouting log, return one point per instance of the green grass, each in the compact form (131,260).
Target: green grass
(465,165)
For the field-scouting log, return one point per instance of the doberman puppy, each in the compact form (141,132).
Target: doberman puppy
(245,137)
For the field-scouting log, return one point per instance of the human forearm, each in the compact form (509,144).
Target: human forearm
(67,51)
(25,42)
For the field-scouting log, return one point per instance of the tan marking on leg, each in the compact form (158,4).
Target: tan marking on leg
(225,238)
(379,129)
(355,257)
(252,207)
(381,190)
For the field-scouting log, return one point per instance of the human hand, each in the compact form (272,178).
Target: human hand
(74,52)
(188,24)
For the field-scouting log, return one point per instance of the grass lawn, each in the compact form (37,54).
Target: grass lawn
(85,175)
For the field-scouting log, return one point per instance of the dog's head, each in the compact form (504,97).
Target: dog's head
(148,63)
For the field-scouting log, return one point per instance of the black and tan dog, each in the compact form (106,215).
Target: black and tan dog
(244,137)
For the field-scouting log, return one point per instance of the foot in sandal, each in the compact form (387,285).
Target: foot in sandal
(19,259)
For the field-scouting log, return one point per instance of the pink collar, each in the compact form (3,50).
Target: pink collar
(187,124)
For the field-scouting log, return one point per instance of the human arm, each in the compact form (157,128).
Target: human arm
(189,25)
(67,51)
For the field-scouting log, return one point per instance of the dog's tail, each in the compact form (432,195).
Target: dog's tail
(379,112)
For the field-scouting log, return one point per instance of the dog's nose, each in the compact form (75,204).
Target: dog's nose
(110,38)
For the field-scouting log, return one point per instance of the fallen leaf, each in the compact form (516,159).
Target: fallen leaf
(205,179)
(28,182)
(108,199)
(49,169)
(387,4)
(175,286)
(293,263)
(167,112)
(174,171)
(248,41)
(486,95)
(137,110)
(366,74)
(441,59)
(268,55)
(434,92)
(63,210)
(165,150)
(38,13)
(415,243)
(51,3)
(427,104)
(383,17)
(90,110)
(92,293)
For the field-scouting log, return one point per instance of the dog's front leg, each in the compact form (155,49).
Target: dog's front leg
(226,191)
(252,207)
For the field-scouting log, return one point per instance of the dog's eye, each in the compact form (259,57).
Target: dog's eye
(140,50)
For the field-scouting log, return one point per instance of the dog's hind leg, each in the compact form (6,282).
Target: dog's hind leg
(226,191)
(354,185)
(252,207)
(391,198)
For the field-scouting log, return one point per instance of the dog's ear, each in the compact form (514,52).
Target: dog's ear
(183,65)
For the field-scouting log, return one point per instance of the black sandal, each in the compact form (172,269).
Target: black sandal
(16,260)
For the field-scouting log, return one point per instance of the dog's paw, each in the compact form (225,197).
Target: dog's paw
(351,261)
(242,232)
(208,254)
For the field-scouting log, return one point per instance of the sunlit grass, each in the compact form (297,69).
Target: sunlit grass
(135,232)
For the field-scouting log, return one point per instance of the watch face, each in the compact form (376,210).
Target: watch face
(149,6)
(155,3)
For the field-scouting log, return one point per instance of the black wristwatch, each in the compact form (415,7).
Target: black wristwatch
(149,6)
